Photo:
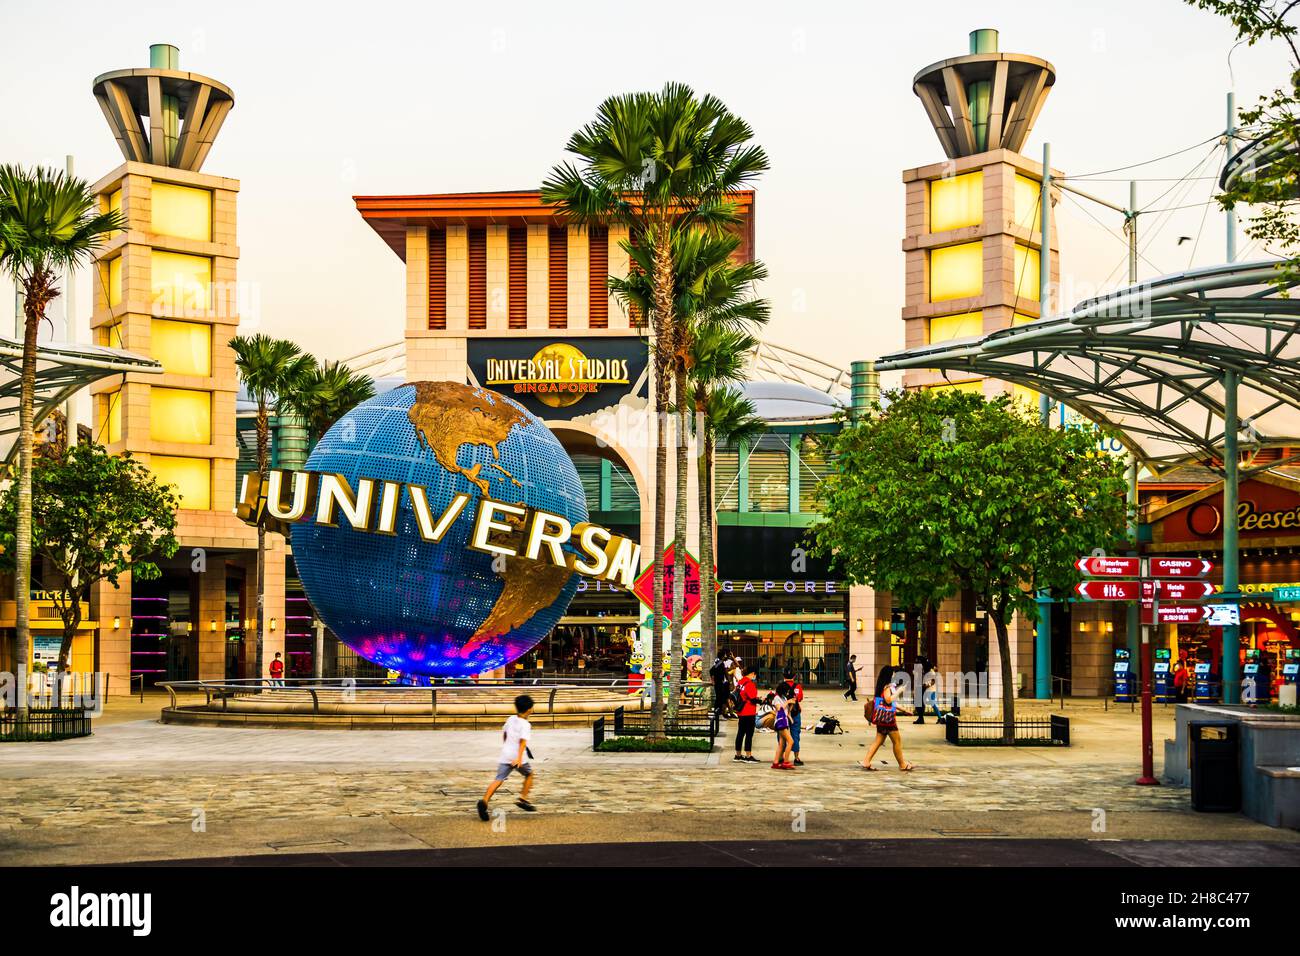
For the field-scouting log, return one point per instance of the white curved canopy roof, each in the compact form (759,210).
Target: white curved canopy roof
(1151,361)
(61,371)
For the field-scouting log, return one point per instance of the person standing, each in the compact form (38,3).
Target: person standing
(1180,682)
(721,690)
(515,756)
(884,714)
(277,671)
(747,691)
(784,742)
(851,669)
(796,715)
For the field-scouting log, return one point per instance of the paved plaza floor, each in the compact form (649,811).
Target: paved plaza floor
(139,790)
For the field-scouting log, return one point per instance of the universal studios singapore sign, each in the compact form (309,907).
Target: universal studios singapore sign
(508,530)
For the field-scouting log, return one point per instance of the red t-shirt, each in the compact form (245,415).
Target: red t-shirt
(748,696)
(277,668)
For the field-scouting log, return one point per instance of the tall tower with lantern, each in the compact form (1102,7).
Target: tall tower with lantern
(166,286)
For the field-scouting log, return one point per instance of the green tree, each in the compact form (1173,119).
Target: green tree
(48,222)
(324,394)
(268,368)
(654,162)
(944,491)
(97,516)
(1272,184)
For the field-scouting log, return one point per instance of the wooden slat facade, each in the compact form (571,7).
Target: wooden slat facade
(437,279)
(477,244)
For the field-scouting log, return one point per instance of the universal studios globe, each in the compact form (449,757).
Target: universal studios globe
(439,609)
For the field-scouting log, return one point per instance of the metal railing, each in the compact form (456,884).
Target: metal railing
(46,723)
(1053,730)
(354,690)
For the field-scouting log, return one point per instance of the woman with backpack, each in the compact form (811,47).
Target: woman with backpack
(884,714)
(784,743)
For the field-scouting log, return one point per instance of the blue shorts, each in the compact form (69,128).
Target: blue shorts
(505,769)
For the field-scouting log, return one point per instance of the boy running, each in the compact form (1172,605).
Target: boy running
(514,756)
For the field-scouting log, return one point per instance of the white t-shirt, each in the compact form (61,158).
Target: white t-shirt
(515,730)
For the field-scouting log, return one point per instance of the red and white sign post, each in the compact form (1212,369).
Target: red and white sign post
(1149,589)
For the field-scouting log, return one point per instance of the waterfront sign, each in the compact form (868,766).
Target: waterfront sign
(1109,567)
(1180,567)
(1109,590)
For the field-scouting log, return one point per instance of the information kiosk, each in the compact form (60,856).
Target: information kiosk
(1163,680)
(1125,679)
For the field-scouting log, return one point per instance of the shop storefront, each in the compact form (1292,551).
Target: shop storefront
(1268,521)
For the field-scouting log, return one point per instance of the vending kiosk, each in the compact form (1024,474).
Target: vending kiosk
(1291,666)
(1256,682)
(1207,684)
(1164,684)
(1125,679)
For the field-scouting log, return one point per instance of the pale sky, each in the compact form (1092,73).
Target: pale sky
(334,100)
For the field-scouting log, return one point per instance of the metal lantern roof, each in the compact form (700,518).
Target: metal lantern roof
(61,371)
(1155,360)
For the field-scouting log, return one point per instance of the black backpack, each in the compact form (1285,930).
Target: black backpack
(827,725)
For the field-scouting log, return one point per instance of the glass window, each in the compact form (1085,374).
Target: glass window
(964,325)
(1026,272)
(956,272)
(191,476)
(769,475)
(623,495)
(182,211)
(957,201)
(180,415)
(184,348)
(814,467)
(181,284)
(726,481)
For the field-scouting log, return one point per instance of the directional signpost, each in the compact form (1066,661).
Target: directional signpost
(1153,584)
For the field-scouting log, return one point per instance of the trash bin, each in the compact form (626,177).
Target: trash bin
(1216,771)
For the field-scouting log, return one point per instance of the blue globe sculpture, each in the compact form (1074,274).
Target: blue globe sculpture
(439,609)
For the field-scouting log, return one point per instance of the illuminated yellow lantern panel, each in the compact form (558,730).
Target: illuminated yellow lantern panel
(956,272)
(181,284)
(182,211)
(113,413)
(1027,197)
(115,282)
(975,388)
(1025,395)
(183,348)
(1026,273)
(180,415)
(964,325)
(191,476)
(115,205)
(957,201)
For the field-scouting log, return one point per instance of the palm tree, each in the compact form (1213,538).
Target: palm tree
(722,413)
(49,222)
(268,368)
(710,295)
(325,394)
(652,161)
